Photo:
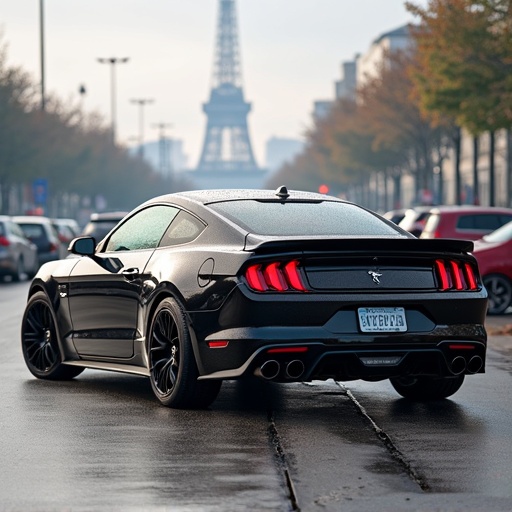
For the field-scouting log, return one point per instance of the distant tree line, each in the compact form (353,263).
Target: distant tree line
(457,75)
(70,150)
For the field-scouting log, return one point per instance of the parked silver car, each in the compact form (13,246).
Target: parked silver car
(18,255)
(41,232)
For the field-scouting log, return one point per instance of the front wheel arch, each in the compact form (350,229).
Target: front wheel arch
(40,341)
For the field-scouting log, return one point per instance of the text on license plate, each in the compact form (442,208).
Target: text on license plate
(382,319)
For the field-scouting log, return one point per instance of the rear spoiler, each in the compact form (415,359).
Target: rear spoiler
(255,243)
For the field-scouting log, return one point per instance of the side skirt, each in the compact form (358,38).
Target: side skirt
(113,367)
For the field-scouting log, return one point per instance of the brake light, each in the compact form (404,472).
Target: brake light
(53,247)
(276,276)
(453,274)
(4,242)
(456,275)
(293,277)
(470,274)
(442,275)
(255,278)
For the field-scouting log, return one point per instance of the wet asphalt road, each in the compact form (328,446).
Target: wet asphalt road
(102,442)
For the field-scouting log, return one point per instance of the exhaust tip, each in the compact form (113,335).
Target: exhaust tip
(458,365)
(475,364)
(294,369)
(268,370)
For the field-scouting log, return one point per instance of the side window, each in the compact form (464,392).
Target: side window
(142,231)
(479,221)
(183,229)
(487,222)
(504,219)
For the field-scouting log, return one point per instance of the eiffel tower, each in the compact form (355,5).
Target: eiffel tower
(227,147)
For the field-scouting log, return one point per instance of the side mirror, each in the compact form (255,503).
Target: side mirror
(83,246)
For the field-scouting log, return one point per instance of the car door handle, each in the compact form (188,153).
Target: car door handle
(130,273)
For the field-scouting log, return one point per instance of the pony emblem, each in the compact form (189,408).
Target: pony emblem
(375,276)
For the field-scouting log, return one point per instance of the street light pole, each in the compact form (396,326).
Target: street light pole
(113,61)
(41,47)
(165,166)
(141,102)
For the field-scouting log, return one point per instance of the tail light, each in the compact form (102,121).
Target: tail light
(275,276)
(455,275)
(4,242)
(53,247)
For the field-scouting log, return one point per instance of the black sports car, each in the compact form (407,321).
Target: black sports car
(194,288)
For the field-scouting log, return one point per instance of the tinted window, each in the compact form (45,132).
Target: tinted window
(310,219)
(487,222)
(142,231)
(2,231)
(34,231)
(184,228)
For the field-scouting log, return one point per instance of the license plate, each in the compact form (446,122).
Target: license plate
(382,319)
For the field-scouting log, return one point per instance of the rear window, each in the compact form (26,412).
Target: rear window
(2,230)
(304,218)
(33,231)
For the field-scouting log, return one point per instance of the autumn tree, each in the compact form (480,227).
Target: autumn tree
(383,131)
(391,107)
(465,65)
(70,150)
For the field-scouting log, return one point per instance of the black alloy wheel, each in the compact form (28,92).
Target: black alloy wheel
(39,341)
(499,290)
(427,388)
(172,366)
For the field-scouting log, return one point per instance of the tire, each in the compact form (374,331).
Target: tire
(499,289)
(427,388)
(172,366)
(39,341)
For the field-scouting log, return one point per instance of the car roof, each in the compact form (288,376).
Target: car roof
(31,219)
(218,195)
(107,216)
(469,208)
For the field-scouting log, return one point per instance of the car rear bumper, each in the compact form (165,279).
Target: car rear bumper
(297,355)
(325,337)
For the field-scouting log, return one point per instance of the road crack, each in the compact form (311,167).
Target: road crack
(388,443)
(275,441)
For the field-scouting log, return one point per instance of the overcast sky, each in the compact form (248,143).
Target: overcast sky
(291,55)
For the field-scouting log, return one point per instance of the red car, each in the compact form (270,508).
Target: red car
(494,255)
(465,222)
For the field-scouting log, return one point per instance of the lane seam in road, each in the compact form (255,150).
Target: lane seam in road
(275,441)
(388,443)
